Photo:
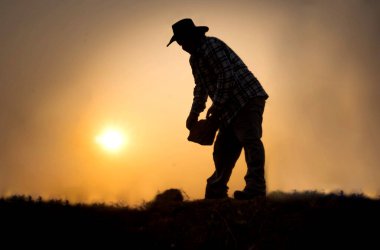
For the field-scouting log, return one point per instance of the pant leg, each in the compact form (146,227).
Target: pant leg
(227,149)
(248,129)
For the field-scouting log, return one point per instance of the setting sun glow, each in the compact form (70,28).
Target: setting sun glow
(111,140)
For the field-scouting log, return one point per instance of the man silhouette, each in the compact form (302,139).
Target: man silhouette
(238,101)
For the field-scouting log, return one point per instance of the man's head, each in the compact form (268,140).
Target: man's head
(186,34)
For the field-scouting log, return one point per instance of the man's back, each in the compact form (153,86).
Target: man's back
(220,72)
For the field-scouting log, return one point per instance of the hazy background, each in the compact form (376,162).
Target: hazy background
(70,68)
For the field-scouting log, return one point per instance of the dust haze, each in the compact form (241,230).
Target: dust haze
(64,65)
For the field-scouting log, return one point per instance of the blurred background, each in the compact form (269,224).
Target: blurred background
(70,69)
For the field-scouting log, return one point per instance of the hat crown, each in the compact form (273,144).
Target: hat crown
(183,26)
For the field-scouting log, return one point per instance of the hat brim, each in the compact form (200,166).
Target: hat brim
(200,29)
(171,40)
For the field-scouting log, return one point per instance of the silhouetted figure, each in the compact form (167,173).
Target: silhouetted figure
(238,100)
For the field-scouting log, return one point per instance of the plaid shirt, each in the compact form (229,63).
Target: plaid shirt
(220,74)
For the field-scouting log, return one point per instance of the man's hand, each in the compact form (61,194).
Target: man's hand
(192,119)
(213,111)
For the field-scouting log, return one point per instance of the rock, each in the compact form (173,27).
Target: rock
(169,195)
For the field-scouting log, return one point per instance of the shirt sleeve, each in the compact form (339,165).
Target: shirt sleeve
(221,65)
(200,93)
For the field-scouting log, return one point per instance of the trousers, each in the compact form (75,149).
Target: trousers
(244,132)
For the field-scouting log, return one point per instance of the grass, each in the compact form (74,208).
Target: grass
(307,220)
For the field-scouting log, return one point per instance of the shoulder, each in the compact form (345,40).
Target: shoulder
(211,45)
(213,41)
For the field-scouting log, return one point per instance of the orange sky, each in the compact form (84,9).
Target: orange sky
(70,68)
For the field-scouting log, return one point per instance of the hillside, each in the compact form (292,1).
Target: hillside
(308,220)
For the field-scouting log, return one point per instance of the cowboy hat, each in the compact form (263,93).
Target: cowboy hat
(185,28)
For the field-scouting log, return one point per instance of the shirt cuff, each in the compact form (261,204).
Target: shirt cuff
(194,112)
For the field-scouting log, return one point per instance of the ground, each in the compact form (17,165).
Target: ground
(307,220)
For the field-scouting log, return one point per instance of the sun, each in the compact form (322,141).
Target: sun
(111,139)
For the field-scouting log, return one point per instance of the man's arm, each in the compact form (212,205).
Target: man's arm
(199,100)
(199,104)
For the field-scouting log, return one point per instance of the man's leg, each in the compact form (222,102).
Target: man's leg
(249,131)
(227,149)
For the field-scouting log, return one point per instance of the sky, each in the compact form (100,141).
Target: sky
(70,69)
